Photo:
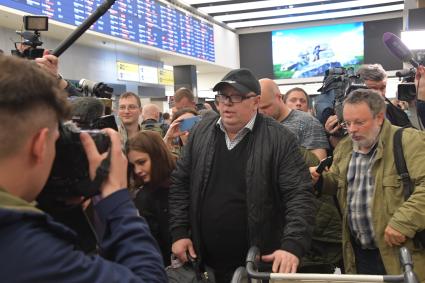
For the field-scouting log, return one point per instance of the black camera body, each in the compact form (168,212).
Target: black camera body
(406,90)
(337,84)
(70,171)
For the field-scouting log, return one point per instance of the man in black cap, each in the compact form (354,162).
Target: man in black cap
(241,182)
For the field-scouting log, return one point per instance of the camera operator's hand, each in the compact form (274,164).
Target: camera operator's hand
(50,63)
(117,178)
(332,125)
(420,82)
(314,175)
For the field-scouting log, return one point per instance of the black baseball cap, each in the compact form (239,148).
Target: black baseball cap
(243,80)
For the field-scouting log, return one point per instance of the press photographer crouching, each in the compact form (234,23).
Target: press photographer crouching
(33,247)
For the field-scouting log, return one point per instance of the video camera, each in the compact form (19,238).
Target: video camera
(28,48)
(70,173)
(406,90)
(69,176)
(69,182)
(337,84)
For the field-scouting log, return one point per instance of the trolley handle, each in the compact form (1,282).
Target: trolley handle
(252,259)
(406,262)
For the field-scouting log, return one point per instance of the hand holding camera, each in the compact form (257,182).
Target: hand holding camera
(117,178)
(180,128)
(332,126)
(49,63)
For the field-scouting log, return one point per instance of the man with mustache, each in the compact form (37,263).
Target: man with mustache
(376,219)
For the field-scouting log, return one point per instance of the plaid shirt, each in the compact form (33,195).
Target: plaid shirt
(359,197)
(240,135)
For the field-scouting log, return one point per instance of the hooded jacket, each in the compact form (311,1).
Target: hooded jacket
(34,248)
(279,198)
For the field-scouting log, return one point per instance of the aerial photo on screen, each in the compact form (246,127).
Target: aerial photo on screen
(309,52)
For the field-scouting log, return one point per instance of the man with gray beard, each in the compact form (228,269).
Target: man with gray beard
(376,218)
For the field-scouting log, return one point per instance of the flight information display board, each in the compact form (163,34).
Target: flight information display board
(148,22)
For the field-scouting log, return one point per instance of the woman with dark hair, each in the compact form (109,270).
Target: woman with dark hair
(152,166)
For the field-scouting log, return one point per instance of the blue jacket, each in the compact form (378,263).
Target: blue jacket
(34,248)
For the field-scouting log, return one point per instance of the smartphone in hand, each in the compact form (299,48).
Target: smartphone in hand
(327,162)
(188,123)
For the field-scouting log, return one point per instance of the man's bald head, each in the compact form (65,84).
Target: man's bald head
(150,111)
(271,103)
(269,89)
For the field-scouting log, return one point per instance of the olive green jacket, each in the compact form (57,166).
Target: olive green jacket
(388,205)
(326,244)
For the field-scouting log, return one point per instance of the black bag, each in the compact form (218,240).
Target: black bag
(190,272)
(408,187)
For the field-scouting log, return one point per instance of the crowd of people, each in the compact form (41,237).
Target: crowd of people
(243,176)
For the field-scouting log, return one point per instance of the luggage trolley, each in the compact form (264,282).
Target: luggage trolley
(249,274)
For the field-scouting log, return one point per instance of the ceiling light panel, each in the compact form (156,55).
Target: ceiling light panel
(414,39)
(253,6)
(300,10)
(195,2)
(315,17)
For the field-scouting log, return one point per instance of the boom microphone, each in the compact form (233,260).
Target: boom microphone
(67,42)
(398,49)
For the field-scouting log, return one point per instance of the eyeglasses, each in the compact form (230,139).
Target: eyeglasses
(348,124)
(236,98)
(130,107)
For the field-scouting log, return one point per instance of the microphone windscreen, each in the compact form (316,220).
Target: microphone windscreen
(397,47)
(85,110)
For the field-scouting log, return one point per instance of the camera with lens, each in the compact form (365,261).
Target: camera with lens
(97,89)
(28,48)
(337,84)
(69,177)
(406,90)
(69,183)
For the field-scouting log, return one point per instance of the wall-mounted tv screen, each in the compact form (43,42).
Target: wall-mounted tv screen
(309,52)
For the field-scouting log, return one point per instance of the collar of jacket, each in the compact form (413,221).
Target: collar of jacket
(9,201)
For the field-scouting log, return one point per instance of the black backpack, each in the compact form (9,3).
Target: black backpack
(408,186)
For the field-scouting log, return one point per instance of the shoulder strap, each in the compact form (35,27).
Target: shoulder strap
(400,164)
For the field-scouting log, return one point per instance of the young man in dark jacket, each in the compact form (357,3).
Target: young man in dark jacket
(33,247)
(240,182)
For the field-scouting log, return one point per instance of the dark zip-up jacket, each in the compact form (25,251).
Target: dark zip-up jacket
(280,202)
(34,248)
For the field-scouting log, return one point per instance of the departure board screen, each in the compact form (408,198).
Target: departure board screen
(148,22)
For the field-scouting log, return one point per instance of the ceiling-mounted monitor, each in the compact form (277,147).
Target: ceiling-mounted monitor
(309,52)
